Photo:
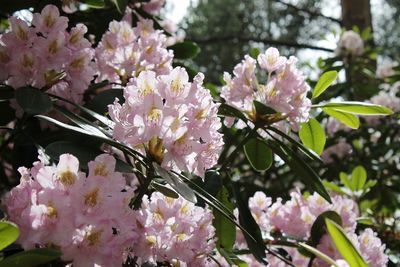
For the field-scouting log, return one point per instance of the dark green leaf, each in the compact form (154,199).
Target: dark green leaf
(318,253)
(121,5)
(230,111)
(358,178)
(185,50)
(309,177)
(100,102)
(8,234)
(258,154)
(225,230)
(262,109)
(344,245)
(33,101)
(166,191)
(31,258)
(254,241)
(94,3)
(359,108)
(313,136)
(346,118)
(83,153)
(176,183)
(318,227)
(323,83)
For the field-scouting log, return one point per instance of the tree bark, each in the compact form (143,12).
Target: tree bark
(356,13)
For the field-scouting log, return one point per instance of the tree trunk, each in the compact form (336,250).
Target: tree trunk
(356,13)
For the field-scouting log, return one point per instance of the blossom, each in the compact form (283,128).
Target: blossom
(386,99)
(385,69)
(333,125)
(124,52)
(59,205)
(350,44)
(285,90)
(174,230)
(173,120)
(338,150)
(47,55)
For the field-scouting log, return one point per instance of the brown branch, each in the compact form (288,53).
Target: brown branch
(221,39)
(312,13)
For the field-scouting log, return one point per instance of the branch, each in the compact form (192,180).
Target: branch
(312,13)
(219,39)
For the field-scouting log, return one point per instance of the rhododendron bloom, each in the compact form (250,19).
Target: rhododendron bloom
(173,120)
(46,55)
(285,90)
(124,52)
(174,230)
(87,217)
(350,43)
(337,151)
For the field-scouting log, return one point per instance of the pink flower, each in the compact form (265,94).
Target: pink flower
(339,150)
(270,60)
(173,120)
(350,43)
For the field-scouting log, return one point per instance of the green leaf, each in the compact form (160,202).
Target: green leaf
(344,178)
(176,183)
(185,50)
(83,153)
(348,119)
(254,241)
(324,82)
(230,111)
(100,102)
(33,101)
(318,253)
(360,108)
(301,168)
(225,230)
(313,136)
(121,5)
(254,52)
(344,245)
(358,178)
(318,227)
(31,258)
(258,154)
(8,234)
(94,3)
(262,109)
(365,221)
(232,259)
(168,192)
(333,187)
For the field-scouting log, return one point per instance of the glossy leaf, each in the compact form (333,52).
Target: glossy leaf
(185,50)
(100,101)
(262,109)
(344,245)
(348,119)
(176,183)
(313,136)
(258,154)
(94,3)
(31,258)
(254,241)
(324,82)
(303,171)
(229,111)
(8,234)
(319,254)
(225,230)
(166,191)
(33,101)
(358,178)
(318,227)
(359,108)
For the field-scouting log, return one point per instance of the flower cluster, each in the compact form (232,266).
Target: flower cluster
(350,44)
(87,217)
(175,230)
(285,91)
(173,120)
(124,52)
(295,217)
(46,55)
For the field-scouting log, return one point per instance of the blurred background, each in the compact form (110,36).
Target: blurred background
(226,30)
